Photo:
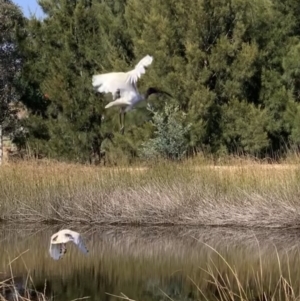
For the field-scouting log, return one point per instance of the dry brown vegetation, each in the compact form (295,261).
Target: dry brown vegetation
(19,288)
(246,193)
(10,291)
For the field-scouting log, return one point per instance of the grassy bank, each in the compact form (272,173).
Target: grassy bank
(240,193)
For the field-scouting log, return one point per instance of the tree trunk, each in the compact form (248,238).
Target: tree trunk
(1,145)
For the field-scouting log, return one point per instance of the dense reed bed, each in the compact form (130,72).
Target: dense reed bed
(247,194)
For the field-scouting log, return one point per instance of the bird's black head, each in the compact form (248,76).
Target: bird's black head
(153,90)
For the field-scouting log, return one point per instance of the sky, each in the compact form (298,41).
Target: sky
(28,6)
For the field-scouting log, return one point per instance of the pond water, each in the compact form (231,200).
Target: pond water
(153,263)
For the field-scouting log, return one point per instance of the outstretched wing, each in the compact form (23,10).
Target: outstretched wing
(109,82)
(56,251)
(139,69)
(80,243)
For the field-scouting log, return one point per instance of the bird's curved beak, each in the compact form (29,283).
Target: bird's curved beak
(167,93)
(155,90)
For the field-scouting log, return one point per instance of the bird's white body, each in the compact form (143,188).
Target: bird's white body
(127,100)
(59,240)
(124,83)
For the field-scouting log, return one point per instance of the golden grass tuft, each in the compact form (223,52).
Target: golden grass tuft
(19,288)
(242,194)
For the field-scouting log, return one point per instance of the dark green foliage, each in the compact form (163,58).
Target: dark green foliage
(69,47)
(223,60)
(11,24)
(231,65)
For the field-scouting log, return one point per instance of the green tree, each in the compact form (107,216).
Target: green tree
(72,43)
(11,20)
(231,65)
(221,59)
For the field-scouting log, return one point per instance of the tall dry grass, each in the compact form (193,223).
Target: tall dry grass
(246,193)
(20,288)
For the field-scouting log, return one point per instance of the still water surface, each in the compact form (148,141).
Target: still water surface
(152,263)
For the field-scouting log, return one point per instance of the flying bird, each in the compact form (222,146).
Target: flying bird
(122,85)
(61,238)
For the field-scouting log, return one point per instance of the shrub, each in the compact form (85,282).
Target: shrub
(170,140)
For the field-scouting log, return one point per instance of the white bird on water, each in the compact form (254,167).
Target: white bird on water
(122,85)
(61,238)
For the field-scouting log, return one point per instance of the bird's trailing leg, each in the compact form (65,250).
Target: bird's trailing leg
(123,128)
(120,118)
(122,122)
(63,249)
